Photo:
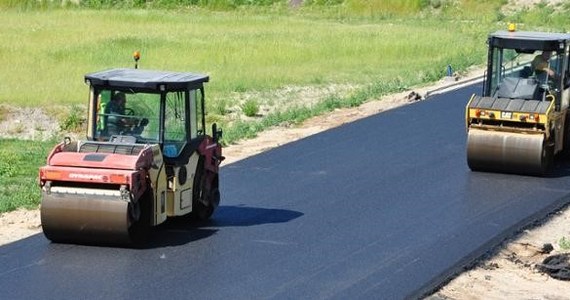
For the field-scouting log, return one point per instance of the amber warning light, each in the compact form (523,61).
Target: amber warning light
(136,57)
(512,27)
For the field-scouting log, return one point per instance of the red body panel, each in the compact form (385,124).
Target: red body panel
(96,160)
(78,174)
(102,160)
(98,167)
(212,153)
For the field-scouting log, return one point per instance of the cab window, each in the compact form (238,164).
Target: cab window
(175,124)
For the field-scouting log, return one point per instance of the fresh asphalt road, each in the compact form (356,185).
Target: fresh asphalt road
(382,208)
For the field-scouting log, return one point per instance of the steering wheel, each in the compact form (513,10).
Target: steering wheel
(129,112)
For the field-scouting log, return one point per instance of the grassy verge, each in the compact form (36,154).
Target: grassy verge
(241,51)
(244,51)
(19,163)
(298,114)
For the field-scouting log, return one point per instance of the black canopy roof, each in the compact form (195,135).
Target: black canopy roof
(529,40)
(146,79)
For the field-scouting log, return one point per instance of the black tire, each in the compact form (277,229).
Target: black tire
(200,210)
(547,160)
(140,229)
(566,136)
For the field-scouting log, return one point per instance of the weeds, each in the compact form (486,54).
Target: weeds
(564,243)
(250,107)
(220,106)
(74,121)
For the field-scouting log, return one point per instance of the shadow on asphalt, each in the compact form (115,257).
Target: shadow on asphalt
(184,230)
(560,168)
(251,216)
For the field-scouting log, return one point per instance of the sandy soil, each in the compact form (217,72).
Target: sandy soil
(509,272)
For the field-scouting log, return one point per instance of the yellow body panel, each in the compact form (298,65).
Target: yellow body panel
(180,193)
(512,140)
(486,114)
(515,121)
(157,174)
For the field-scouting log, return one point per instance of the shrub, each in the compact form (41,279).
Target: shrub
(73,121)
(250,107)
(564,243)
(220,106)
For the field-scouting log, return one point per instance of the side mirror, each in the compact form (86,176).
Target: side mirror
(484,83)
(216,134)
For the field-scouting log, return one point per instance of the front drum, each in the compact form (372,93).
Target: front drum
(507,152)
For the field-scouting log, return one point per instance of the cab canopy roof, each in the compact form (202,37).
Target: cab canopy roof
(146,80)
(529,41)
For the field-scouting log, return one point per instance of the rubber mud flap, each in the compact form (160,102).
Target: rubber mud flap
(507,152)
(86,219)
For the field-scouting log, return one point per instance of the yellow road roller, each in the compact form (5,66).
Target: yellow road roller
(146,158)
(520,121)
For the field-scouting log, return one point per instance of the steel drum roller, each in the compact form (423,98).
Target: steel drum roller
(85,218)
(506,152)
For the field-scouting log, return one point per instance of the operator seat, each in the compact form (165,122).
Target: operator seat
(526,72)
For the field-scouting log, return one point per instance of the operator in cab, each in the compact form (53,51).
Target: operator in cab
(541,65)
(115,112)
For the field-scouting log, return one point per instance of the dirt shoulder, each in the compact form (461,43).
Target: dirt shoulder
(511,270)
(508,273)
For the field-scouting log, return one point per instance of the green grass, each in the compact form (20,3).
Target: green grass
(244,51)
(49,52)
(19,163)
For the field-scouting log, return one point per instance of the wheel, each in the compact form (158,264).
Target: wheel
(204,212)
(566,136)
(204,202)
(547,159)
(140,214)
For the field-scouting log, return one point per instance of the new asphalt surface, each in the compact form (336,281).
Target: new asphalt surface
(382,208)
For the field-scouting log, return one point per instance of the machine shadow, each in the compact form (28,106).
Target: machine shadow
(560,168)
(184,230)
(250,216)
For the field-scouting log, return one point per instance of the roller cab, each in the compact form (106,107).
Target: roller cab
(147,157)
(519,122)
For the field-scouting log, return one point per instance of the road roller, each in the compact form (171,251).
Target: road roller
(146,158)
(519,123)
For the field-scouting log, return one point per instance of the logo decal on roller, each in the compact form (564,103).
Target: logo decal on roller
(85,176)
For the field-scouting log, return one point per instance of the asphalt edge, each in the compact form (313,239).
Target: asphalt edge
(487,250)
(454,85)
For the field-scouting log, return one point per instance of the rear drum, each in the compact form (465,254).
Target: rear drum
(508,152)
